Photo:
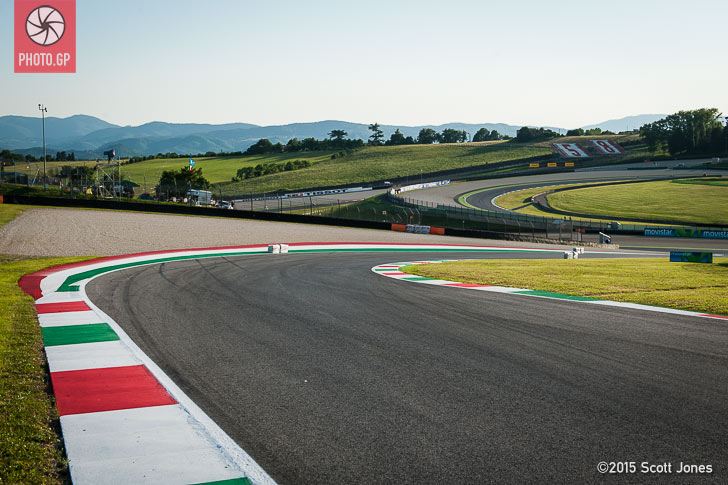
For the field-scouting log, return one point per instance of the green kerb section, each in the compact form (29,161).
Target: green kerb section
(559,296)
(78,334)
(70,283)
(232,481)
(416,278)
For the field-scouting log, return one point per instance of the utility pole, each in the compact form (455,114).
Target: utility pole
(43,110)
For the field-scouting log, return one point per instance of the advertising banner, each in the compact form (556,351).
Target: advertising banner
(607,147)
(690,257)
(570,150)
(680,232)
(45,36)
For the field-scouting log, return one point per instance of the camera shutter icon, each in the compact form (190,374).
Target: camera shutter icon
(45,25)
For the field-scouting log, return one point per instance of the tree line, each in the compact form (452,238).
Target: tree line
(269,168)
(428,136)
(693,132)
(336,142)
(10,158)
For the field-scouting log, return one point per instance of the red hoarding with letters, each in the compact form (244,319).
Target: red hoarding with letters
(45,36)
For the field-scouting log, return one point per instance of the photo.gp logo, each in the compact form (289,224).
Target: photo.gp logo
(45,25)
(45,36)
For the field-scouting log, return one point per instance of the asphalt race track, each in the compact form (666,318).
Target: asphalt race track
(448,195)
(328,373)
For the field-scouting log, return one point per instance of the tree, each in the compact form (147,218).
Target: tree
(427,136)
(397,138)
(261,146)
(652,134)
(337,134)
(450,135)
(526,134)
(178,183)
(293,145)
(689,132)
(377,134)
(576,132)
(482,134)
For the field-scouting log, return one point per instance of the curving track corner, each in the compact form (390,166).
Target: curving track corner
(123,419)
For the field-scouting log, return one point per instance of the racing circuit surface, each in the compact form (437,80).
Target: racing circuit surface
(448,195)
(328,373)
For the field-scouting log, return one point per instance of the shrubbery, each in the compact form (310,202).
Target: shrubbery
(270,168)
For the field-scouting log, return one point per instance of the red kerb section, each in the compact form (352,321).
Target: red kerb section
(115,388)
(466,285)
(30,284)
(67,306)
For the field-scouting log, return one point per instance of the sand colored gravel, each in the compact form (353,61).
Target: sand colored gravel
(76,232)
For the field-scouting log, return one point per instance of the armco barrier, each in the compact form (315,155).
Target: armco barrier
(418,229)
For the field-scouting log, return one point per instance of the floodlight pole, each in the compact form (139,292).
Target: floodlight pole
(43,110)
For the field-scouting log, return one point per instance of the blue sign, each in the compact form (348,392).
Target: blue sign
(691,257)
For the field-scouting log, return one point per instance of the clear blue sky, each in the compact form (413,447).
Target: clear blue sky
(561,63)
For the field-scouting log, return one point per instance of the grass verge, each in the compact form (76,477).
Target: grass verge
(30,442)
(685,286)
(8,212)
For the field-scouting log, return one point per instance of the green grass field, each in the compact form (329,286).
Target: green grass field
(363,165)
(678,203)
(685,286)
(381,163)
(215,169)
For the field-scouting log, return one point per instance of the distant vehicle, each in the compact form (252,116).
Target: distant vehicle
(199,197)
(680,165)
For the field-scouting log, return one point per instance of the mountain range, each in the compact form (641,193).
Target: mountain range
(88,137)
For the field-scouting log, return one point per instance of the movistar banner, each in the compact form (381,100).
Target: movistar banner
(679,232)
(691,257)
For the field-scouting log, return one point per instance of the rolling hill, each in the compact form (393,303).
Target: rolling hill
(89,137)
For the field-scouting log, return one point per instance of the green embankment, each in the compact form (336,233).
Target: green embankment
(381,163)
(358,166)
(685,286)
(30,450)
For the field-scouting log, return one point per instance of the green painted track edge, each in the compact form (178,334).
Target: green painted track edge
(232,481)
(550,294)
(69,283)
(78,334)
